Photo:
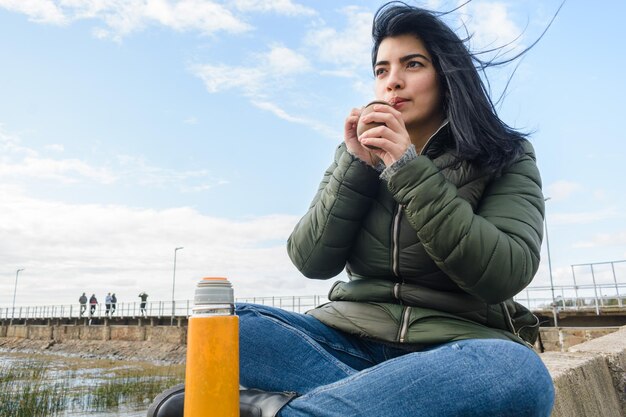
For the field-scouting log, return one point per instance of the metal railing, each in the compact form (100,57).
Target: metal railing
(598,297)
(153,309)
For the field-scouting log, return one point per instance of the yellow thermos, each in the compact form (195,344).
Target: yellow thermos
(212,369)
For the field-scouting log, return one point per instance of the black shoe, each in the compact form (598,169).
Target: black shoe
(169,403)
(252,402)
(257,403)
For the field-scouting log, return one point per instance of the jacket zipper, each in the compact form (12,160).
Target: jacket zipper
(404,325)
(406,312)
(395,252)
(395,242)
(396,271)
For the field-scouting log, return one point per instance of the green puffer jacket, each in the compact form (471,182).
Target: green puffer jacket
(433,255)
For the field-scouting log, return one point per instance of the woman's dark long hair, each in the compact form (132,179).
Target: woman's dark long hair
(480,135)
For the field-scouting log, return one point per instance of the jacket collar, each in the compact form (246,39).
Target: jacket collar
(439,142)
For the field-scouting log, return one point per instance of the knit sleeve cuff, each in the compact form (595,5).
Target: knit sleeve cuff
(380,166)
(388,172)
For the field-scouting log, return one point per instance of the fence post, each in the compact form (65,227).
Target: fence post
(575,286)
(595,291)
(619,298)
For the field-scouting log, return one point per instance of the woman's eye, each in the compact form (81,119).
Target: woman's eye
(379,71)
(414,64)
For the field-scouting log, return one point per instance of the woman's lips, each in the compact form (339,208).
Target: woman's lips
(397,102)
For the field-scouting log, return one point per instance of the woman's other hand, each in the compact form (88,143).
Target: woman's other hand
(352,142)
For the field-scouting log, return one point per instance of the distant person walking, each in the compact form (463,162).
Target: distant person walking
(107,304)
(113,303)
(83,304)
(142,306)
(93,303)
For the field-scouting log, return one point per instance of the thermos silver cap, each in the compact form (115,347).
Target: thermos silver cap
(214,290)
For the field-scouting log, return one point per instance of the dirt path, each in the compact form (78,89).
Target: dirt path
(163,353)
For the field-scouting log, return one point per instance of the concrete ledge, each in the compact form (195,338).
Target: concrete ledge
(589,378)
(613,348)
(106,331)
(561,338)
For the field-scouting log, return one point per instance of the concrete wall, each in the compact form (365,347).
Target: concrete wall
(175,335)
(39,332)
(133,333)
(61,333)
(17,331)
(589,378)
(560,339)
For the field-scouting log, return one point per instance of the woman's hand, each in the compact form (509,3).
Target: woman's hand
(390,140)
(352,142)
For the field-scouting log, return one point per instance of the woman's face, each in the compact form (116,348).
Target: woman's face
(406,78)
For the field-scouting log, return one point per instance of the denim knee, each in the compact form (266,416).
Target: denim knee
(528,386)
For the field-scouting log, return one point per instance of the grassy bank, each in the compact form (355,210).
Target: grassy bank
(37,385)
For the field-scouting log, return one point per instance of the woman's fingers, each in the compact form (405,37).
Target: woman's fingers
(391,137)
(350,138)
(387,115)
(351,122)
(378,137)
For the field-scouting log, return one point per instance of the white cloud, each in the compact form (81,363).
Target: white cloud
(600,195)
(277,111)
(491,24)
(55,147)
(220,77)
(285,61)
(274,65)
(280,68)
(433,4)
(562,190)
(286,7)
(202,187)
(204,16)
(10,147)
(63,170)
(282,114)
(102,248)
(136,169)
(585,216)
(40,11)
(603,239)
(263,84)
(124,17)
(348,49)
(19,163)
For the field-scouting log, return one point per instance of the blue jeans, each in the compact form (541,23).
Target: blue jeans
(340,375)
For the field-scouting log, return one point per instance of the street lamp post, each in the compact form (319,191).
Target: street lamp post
(545,222)
(14,292)
(174,285)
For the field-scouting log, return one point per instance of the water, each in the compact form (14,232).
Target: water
(34,385)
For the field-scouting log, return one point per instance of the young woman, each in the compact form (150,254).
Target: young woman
(436,215)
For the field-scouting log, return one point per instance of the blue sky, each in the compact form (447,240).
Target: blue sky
(130,128)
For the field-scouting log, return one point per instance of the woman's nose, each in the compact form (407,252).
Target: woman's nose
(394,80)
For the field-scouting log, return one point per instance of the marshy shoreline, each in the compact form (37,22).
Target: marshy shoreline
(144,351)
(35,382)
